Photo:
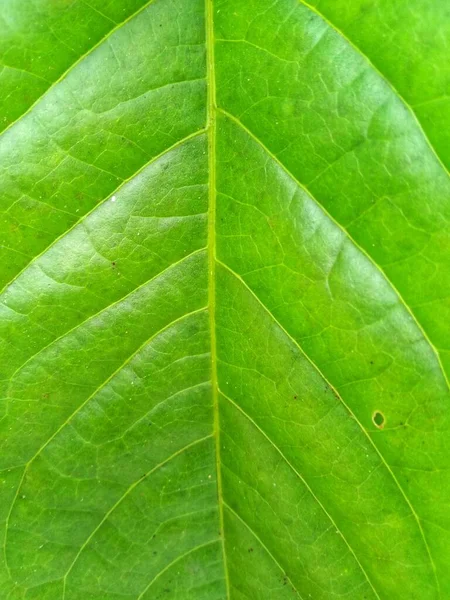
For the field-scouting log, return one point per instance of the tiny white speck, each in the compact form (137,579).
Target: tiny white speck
(113,199)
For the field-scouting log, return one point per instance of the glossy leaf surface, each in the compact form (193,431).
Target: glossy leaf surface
(224,315)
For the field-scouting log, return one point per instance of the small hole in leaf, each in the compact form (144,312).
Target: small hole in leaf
(378,419)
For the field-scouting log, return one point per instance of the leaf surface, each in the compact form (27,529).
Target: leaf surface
(224,309)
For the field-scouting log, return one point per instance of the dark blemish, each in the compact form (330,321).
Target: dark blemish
(250,549)
(46,395)
(113,264)
(371,362)
(295,397)
(328,388)
(378,419)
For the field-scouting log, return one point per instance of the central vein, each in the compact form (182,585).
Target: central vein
(211,127)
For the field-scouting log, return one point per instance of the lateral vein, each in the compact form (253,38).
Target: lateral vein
(122,498)
(397,93)
(78,409)
(102,201)
(262,544)
(305,483)
(350,238)
(351,413)
(76,63)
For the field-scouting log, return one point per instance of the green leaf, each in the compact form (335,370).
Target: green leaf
(225,314)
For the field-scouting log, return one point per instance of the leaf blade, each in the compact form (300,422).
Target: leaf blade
(229,367)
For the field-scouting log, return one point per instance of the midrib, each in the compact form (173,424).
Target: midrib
(211,129)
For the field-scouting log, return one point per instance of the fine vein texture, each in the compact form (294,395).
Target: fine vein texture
(224,300)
